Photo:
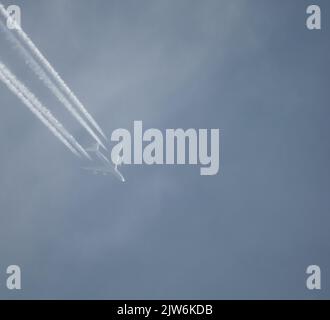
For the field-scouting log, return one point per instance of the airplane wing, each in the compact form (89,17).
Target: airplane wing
(105,171)
(118,174)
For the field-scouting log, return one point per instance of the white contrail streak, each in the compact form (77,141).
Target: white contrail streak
(25,38)
(33,64)
(42,109)
(31,107)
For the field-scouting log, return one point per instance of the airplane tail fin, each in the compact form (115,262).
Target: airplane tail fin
(93,148)
(118,163)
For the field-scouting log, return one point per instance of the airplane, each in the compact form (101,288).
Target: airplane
(107,167)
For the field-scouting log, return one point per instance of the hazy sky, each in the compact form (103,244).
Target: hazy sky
(250,68)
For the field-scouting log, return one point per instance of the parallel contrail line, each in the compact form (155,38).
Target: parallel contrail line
(37,69)
(31,107)
(25,38)
(41,108)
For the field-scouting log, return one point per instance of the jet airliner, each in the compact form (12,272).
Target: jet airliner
(107,167)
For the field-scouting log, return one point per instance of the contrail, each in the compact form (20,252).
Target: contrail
(31,107)
(41,108)
(33,64)
(25,38)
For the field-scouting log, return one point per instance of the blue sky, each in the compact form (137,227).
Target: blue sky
(249,68)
